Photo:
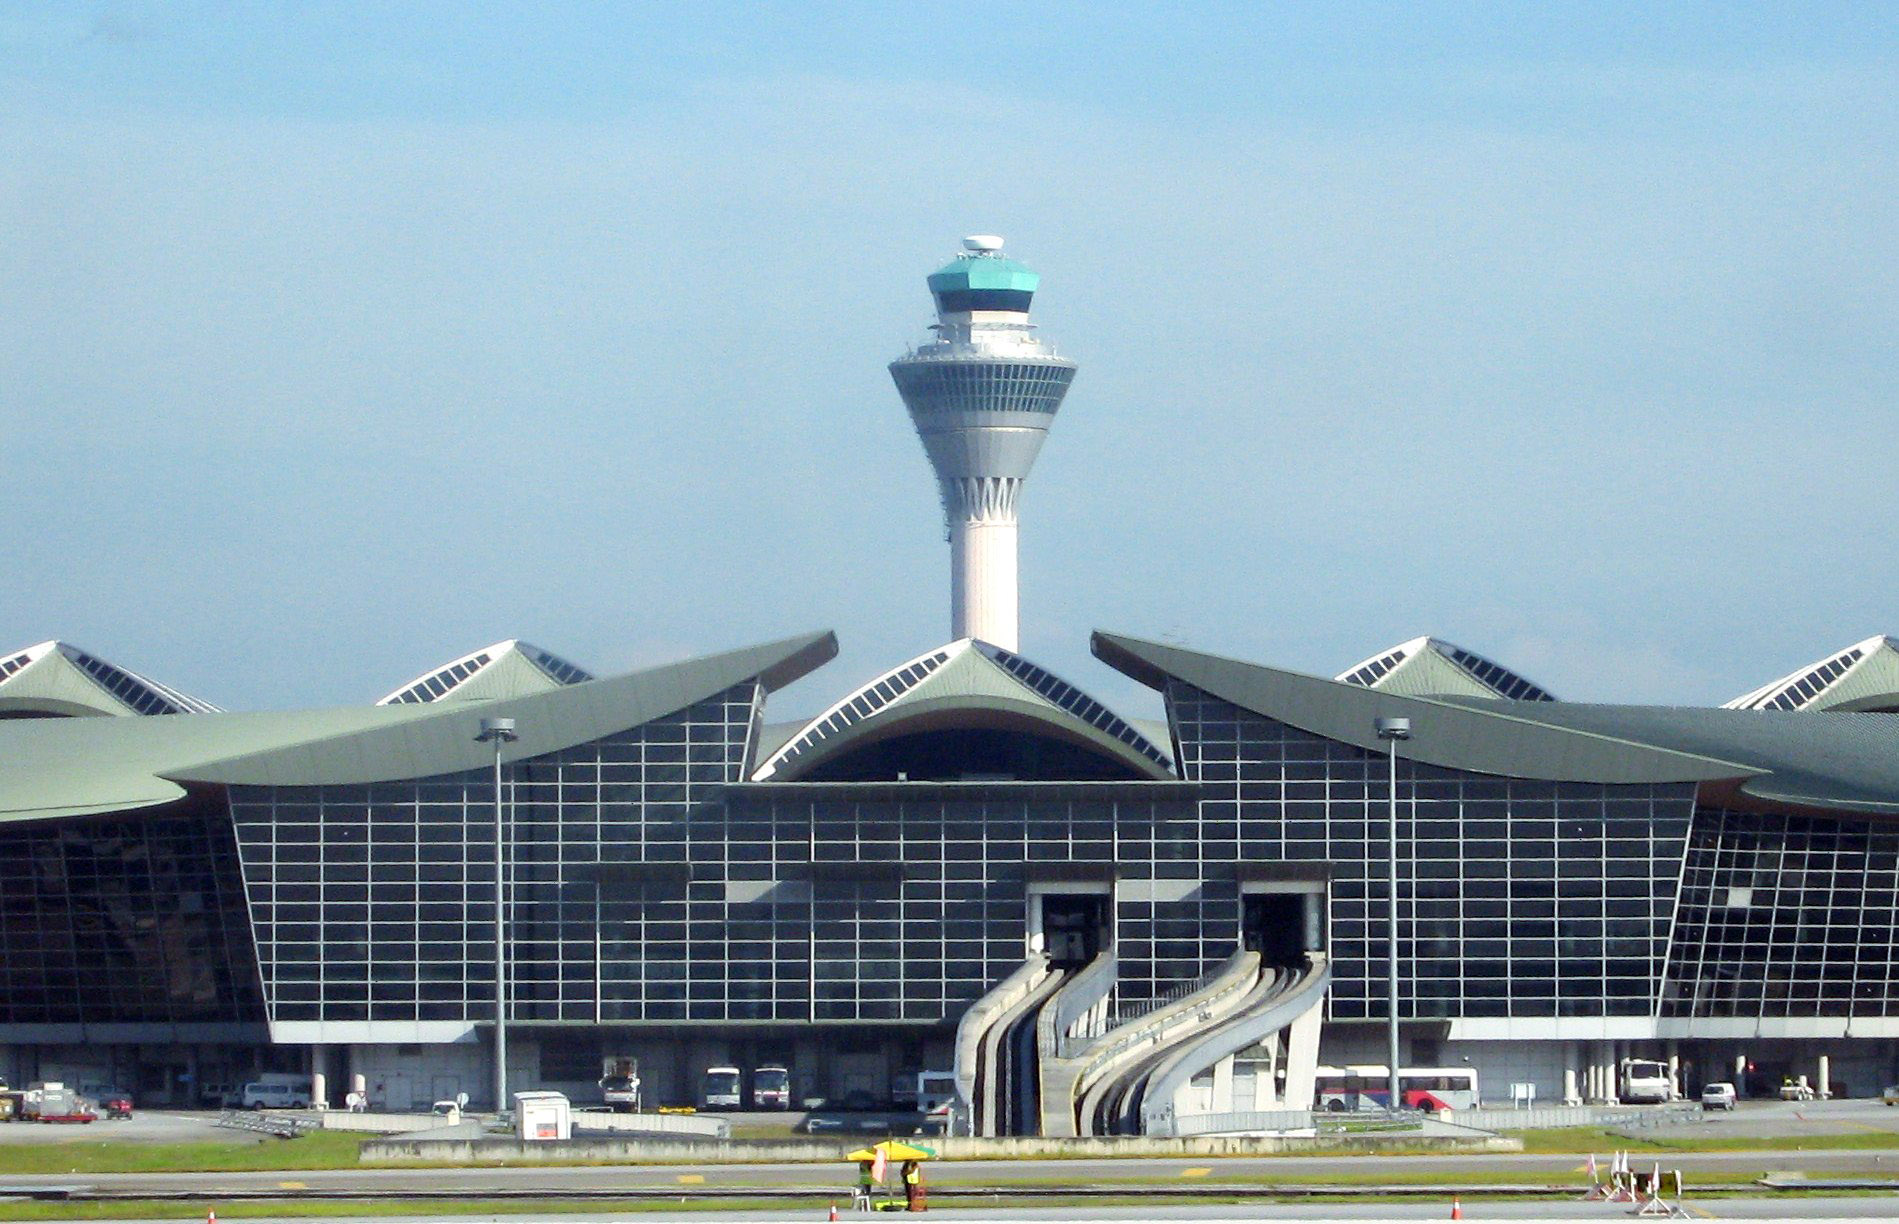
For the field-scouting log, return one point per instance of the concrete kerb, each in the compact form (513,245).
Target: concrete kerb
(420,1149)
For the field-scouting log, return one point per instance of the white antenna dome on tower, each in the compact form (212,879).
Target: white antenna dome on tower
(982,244)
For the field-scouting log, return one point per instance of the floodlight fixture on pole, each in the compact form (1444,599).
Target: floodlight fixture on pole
(1391,730)
(499,731)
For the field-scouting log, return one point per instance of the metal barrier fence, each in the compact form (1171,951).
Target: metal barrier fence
(1539,1117)
(1361,1121)
(283,1125)
(1242,1122)
(692,1125)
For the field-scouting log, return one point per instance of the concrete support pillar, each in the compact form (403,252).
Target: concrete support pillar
(1740,1073)
(1822,1087)
(1222,1086)
(319,1076)
(1604,1056)
(1674,1070)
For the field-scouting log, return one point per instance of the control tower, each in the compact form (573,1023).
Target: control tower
(982,396)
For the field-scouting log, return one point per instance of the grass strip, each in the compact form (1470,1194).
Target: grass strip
(316,1150)
(1583,1140)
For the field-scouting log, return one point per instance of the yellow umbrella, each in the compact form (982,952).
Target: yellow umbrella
(892,1150)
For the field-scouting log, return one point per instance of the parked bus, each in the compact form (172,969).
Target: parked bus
(771,1088)
(1343,1089)
(620,1083)
(1646,1082)
(721,1088)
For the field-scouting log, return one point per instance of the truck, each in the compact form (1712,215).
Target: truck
(1645,1081)
(51,1101)
(620,1083)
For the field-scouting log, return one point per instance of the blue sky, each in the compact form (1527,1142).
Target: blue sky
(342,339)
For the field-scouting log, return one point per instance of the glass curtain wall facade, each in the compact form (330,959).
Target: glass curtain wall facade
(906,901)
(1786,916)
(377,902)
(127,920)
(1516,897)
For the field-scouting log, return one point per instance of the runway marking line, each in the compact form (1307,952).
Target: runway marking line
(692,1179)
(1704,1213)
(1195,1172)
(292,1186)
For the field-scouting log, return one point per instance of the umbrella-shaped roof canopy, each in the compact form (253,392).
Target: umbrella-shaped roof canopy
(893,1150)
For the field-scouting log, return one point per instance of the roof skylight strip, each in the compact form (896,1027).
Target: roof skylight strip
(868,699)
(142,695)
(1072,700)
(1798,693)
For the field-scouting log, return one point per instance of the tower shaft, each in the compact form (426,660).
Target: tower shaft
(982,536)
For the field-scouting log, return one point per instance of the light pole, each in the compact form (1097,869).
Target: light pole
(499,731)
(1391,730)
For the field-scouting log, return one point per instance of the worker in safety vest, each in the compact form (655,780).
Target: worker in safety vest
(913,1185)
(865,1180)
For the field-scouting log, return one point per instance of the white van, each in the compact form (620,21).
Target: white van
(266,1094)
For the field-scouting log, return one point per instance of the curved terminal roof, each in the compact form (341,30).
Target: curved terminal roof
(1428,666)
(1864,676)
(1830,761)
(76,767)
(506,669)
(57,679)
(970,682)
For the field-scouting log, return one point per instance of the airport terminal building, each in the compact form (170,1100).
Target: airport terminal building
(964,863)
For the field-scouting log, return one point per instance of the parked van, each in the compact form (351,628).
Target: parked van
(267,1094)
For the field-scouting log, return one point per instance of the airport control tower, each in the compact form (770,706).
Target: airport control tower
(982,395)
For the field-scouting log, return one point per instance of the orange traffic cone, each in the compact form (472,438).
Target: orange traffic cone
(211,1217)
(1457,1209)
(833,1213)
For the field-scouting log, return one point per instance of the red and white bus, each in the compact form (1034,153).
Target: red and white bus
(1344,1089)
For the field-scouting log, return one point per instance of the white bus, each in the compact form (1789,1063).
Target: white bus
(1646,1082)
(1342,1089)
(771,1087)
(722,1088)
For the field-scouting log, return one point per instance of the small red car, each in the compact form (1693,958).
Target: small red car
(119,1107)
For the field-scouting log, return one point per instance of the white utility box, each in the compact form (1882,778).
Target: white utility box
(543,1115)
